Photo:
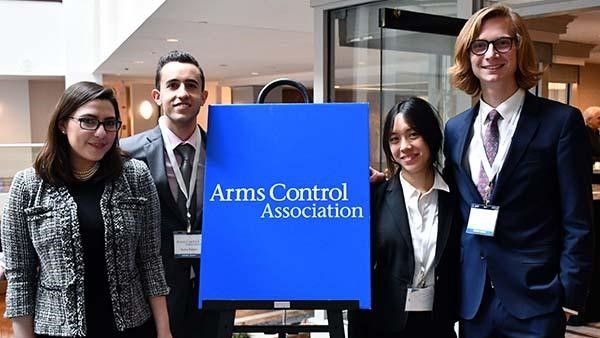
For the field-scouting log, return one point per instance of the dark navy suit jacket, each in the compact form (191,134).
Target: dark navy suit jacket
(540,257)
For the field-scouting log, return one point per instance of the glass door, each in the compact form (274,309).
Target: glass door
(416,51)
(385,51)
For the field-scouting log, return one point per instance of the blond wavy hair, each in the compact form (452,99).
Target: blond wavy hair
(462,76)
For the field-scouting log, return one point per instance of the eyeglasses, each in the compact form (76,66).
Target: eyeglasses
(91,123)
(501,45)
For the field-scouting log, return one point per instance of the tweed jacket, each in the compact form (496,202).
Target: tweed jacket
(40,228)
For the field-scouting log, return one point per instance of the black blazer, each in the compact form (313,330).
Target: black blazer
(392,263)
(149,147)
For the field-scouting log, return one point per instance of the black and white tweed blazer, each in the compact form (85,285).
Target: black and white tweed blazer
(40,228)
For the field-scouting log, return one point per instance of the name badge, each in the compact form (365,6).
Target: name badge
(419,299)
(187,245)
(482,219)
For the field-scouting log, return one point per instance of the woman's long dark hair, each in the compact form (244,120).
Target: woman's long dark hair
(53,163)
(423,119)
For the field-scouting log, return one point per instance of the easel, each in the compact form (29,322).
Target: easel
(335,326)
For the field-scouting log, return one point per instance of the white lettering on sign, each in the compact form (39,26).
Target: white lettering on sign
(330,202)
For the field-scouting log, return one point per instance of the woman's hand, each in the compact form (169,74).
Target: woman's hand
(166,334)
(23,327)
(158,304)
(376,176)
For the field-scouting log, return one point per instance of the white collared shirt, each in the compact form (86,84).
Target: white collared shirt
(422,211)
(175,141)
(510,111)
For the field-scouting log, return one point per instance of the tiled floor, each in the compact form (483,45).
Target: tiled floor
(589,331)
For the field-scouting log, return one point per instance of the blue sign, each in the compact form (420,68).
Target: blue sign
(286,204)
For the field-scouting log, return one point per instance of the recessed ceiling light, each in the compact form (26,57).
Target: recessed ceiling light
(138,62)
(254,73)
(336,87)
(361,63)
(172,40)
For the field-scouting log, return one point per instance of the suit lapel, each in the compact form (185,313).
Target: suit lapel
(156,163)
(526,128)
(396,206)
(444,223)
(466,127)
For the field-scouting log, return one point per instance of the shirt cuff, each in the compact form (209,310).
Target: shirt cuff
(573,312)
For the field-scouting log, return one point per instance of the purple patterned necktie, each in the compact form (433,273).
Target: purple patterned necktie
(491,139)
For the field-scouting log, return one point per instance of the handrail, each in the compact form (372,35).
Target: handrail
(21,145)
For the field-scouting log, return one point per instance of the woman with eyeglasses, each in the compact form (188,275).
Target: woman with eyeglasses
(80,231)
(414,243)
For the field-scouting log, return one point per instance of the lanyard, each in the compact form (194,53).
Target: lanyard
(488,191)
(178,176)
(492,169)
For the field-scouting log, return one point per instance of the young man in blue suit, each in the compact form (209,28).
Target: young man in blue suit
(522,170)
(175,152)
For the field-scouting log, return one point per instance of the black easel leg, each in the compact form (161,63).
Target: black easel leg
(336,323)
(226,320)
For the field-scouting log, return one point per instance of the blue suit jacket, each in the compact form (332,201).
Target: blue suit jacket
(540,257)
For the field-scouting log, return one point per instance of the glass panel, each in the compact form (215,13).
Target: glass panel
(364,59)
(559,92)
(416,64)
(520,4)
(15,157)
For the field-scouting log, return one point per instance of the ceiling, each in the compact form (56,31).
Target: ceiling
(231,39)
(252,41)
(585,29)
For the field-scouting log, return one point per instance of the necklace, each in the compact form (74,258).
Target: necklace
(86,174)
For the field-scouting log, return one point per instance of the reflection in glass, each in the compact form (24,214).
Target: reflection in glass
(383,66)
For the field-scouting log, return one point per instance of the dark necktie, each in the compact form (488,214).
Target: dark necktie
(186,151)
(491,139)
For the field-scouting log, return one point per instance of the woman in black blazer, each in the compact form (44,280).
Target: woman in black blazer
(414,245)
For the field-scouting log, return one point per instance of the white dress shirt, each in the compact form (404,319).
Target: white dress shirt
(174,141)
(510,112)
(422,210)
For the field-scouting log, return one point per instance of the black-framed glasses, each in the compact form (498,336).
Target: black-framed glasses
(501,45)
(92,123)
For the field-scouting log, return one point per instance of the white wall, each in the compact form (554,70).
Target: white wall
(14,126)
(118,19)
(43,96)
(32,38)
(14,111)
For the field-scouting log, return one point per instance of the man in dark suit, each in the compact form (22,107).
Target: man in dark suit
(521,169)
(175,152)
(592,121)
